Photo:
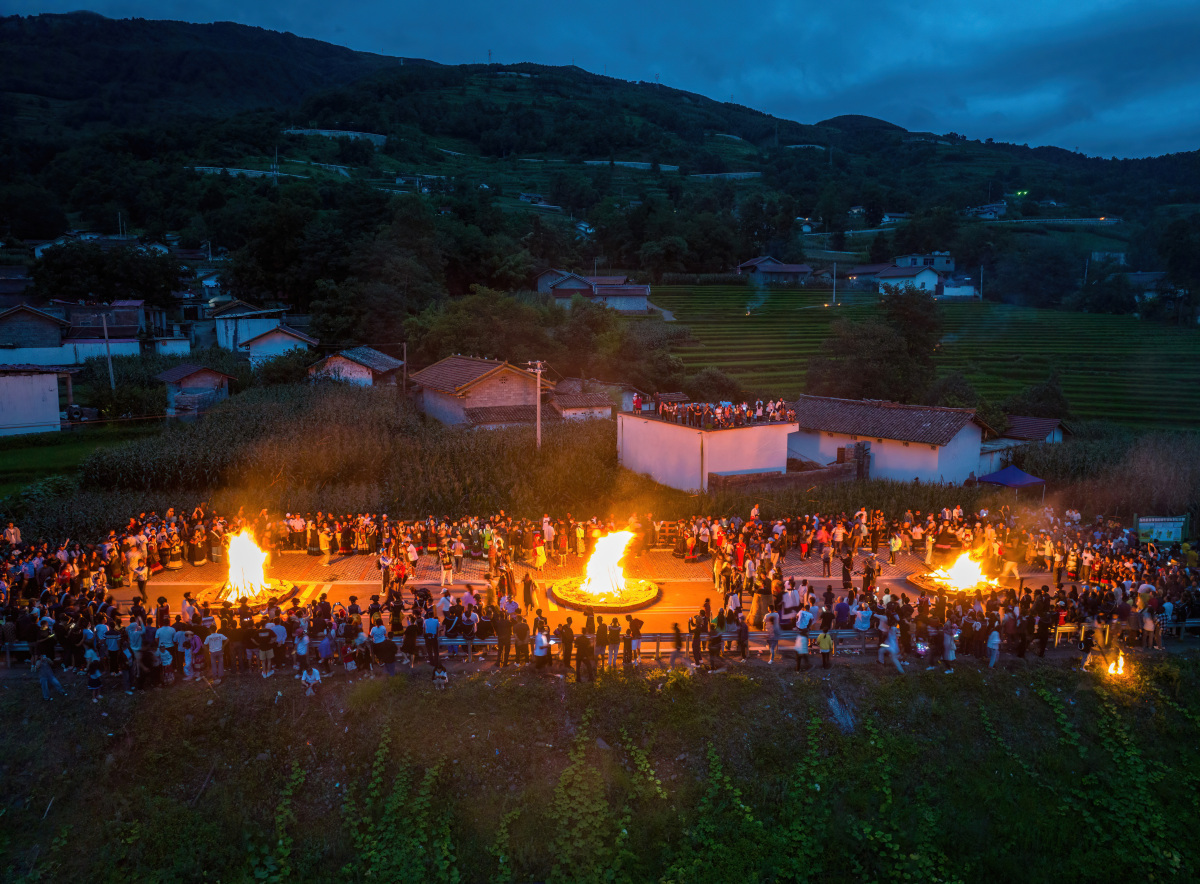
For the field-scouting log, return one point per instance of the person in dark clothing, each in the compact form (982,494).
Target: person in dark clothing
(566,635)
(602,639)
(521,636)
(847,571)
(584,661)
(1043,632)
(504,632)
(714,648)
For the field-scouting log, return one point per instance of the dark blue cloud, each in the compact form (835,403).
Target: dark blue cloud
(1117,77)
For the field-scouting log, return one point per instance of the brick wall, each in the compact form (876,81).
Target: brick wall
(26,330)
(507,387)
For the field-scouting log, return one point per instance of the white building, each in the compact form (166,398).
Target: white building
(362,366)
(238,322)
(192,389)
(275,342)
(684,457)
(29,398)
(907,441)
(918,277)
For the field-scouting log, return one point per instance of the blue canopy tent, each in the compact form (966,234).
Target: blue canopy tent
(1013,477)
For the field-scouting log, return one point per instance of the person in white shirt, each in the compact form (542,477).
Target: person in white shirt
(310,678)
(214,642)
(445,603)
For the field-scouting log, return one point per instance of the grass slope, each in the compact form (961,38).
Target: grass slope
(983,775)
(1112,367)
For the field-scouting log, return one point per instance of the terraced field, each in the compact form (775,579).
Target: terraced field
(1112,367)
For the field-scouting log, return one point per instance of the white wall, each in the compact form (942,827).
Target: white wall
(893,459)
(173,346)
(70,353)
(233,331)
(927,279)
(583,414)
(342,369)
(682,457)
(444,407)
(28,404)
(274,344)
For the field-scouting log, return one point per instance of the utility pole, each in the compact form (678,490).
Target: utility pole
(537,366)
(835,283)
(112,384)
(404,370)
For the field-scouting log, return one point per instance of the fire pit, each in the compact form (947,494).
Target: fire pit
(965,575)
(604,587)
(247,581)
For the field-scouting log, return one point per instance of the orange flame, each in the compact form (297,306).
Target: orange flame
(964,574)
(604,574)
(1117,668)
(246,561)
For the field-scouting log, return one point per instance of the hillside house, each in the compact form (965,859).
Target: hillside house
(867,275)
(581,406)
(988,211)
(32,336)
(894,217)
(29,398)
(765,270)
(942,262)
(468,391)
(918,277)
(236,322)
(362,366)
(275,342)
(996,453)
(193,389)
(907,441)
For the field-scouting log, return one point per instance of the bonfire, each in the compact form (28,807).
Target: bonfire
(604,586)
(965,575)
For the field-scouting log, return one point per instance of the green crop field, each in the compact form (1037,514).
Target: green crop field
(1112,367)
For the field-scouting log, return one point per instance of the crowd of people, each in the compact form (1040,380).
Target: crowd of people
(58,597)
(721,415)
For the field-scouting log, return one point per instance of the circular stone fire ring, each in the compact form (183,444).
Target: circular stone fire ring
(926,581)
(280,590)
(638,594)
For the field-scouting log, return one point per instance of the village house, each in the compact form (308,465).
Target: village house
(38,337)
(918,277)
(29,398)
(612,291)
(765,270)
(468,391)
(908,442)
(362,366)
(996,453)
(942,262)
(236,322)
(275,342)
(958,287)
(866,275)
(895,217)
(582,406)
(193,389)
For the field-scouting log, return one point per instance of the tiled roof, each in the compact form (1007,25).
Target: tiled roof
(283,330)
(869,269)
(901,272)
(1031,429)
(754,262)
(580,281)
(607,280)
(507,414)
(179,372)
(454,373)
(672,397)
(367,357)
(582,400)
(27,368)
(35,311)
(876,419)
(128,303)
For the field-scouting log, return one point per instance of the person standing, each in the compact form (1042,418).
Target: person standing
(602,641)
(584,661)
(993,643)
(214,642)
(827,647)
(888,643)
(431,638)
(504,634)
(325,539)
(566,635)
(771,625)
(635,637)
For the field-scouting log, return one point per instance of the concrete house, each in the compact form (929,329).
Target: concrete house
(581,406)
(237,322)
(942,262)
(765,269)
(29,398)
(362,366)
(907,441)
(919,277)
(192,389)
(467,391)
(32,336)
(275,342)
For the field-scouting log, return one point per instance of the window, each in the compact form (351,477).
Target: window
(854,438)
(929,262)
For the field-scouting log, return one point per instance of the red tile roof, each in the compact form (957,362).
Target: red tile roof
(1032,429)
(283,330)
(876,419)
(455,373)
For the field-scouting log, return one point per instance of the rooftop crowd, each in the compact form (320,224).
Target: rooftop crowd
(58,597)
(720,415)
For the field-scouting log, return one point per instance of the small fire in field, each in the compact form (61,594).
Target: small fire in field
(1118,666)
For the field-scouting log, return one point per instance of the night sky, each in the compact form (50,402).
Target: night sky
(1106,77)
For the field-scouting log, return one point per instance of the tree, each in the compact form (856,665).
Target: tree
(867,361)
(1180,248)
(955,391)
(913,313)
(663,255)
(83,271)
(1040,400)
(712,385)
(881,249)
(484,323)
